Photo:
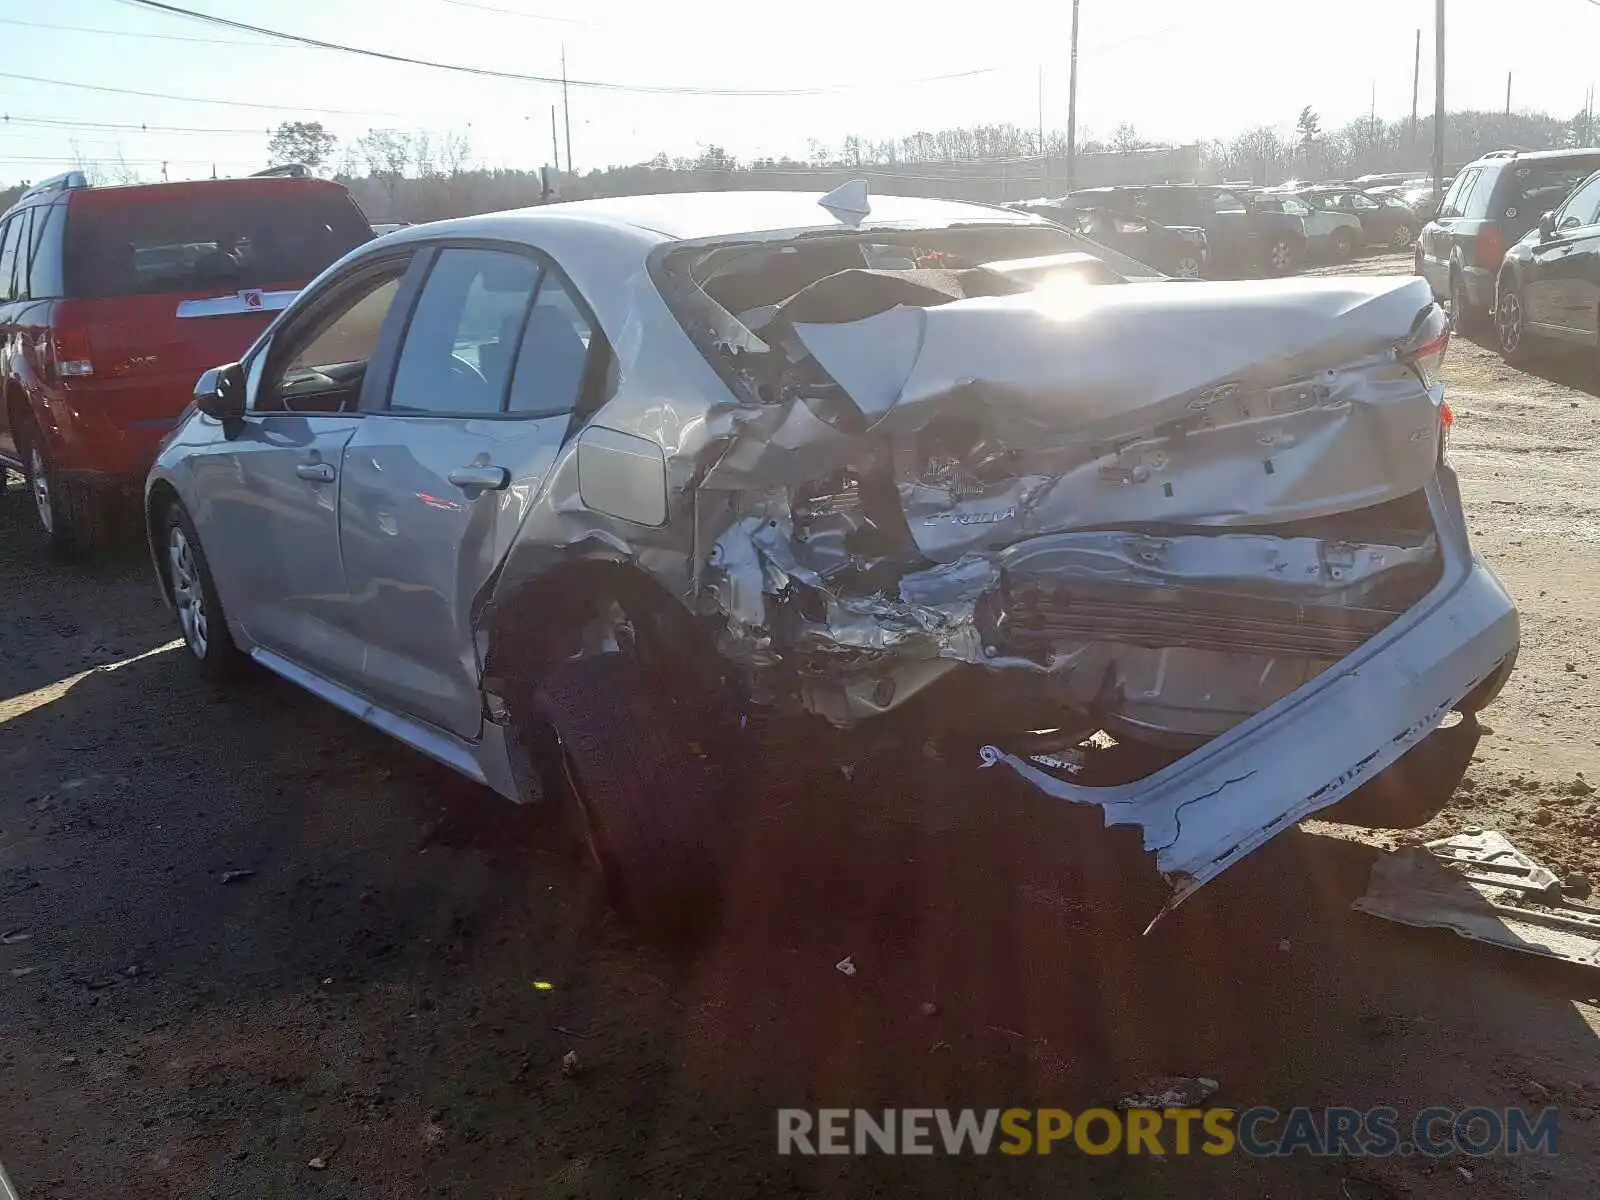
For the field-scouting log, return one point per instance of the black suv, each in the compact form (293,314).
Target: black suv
(1491,205)
(1243,235)
(1549,284)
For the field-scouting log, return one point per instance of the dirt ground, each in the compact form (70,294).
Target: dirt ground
(380,1006)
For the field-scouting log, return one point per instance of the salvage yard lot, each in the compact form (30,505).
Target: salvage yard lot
(244,934)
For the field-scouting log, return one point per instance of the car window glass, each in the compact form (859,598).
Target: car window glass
(1226,202)
(459,345)
(1130,225)
(225,238)
(553,355)
(326,358)
(44,277)
(1363,202)
(1455,199)
(19,273)
(1580,207)
(1296,208)
(8,254)
(1538,187)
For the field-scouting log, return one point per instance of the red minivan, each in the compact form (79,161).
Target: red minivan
(114,300)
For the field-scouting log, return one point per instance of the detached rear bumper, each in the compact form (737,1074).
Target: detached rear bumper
(1205,812)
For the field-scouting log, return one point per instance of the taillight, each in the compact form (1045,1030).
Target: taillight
(70,353)
(1447,420)
(1491,246)
(1428,358)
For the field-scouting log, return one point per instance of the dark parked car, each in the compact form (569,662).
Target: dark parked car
(1549,283)
(1242,236)
(1492,204)
(1172,249)
(1385,220)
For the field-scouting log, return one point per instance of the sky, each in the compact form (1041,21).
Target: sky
(1176,69)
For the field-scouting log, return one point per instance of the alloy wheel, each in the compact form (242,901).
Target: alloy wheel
(1508,319)
(1187,267)
(187,594)
(39,483)
(1402,237)
(1280,257)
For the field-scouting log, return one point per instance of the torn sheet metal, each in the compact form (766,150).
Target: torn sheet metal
(1313,747)
(1481,886)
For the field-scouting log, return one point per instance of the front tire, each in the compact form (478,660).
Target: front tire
(1187,267)
(650,804)
(1402,238)
(194,596)
(1511,330)
(72,516)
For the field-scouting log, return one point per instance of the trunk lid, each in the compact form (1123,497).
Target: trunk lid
(1195,404)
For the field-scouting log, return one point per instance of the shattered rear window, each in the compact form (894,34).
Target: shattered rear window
(725,295)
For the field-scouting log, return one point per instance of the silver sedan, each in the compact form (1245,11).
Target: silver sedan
(585,501)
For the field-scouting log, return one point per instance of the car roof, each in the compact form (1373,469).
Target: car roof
(1536,156)
(193,188)
(692,216)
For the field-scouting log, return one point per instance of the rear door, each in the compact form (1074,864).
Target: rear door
(170,280)
(1440,236)
(496,360)
(268,494)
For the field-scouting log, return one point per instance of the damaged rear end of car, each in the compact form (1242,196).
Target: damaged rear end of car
(1021,502)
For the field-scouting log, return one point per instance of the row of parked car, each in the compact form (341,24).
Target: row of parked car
(1517,241)
(1193,230)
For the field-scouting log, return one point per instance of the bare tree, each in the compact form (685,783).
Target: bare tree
(387,152)
(455,151)
(422,154)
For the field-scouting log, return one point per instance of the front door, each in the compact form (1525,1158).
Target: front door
(1560,292)
(271,521)
(443,468)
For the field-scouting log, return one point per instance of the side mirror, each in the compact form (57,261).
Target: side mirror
(1547,227)
(220,393)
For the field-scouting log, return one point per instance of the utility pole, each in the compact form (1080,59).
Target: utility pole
(1438,99)
(555,145)
(1508,93)
(1044,150)
(1416,78)
(1072,102)
(566,113)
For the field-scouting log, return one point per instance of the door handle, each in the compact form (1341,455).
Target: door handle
(486,479)
(316,472)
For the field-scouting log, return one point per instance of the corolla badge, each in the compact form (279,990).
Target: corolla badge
(976,518)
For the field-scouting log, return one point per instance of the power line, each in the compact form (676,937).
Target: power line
(118,91)
(7,119)
(165,37)
(519,77)
(515,12)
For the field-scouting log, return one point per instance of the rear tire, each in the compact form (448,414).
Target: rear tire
(1402,238)
(72,516)
(1344,245)
(1415,789)
(194,596)
(649,803)
(1464,319)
